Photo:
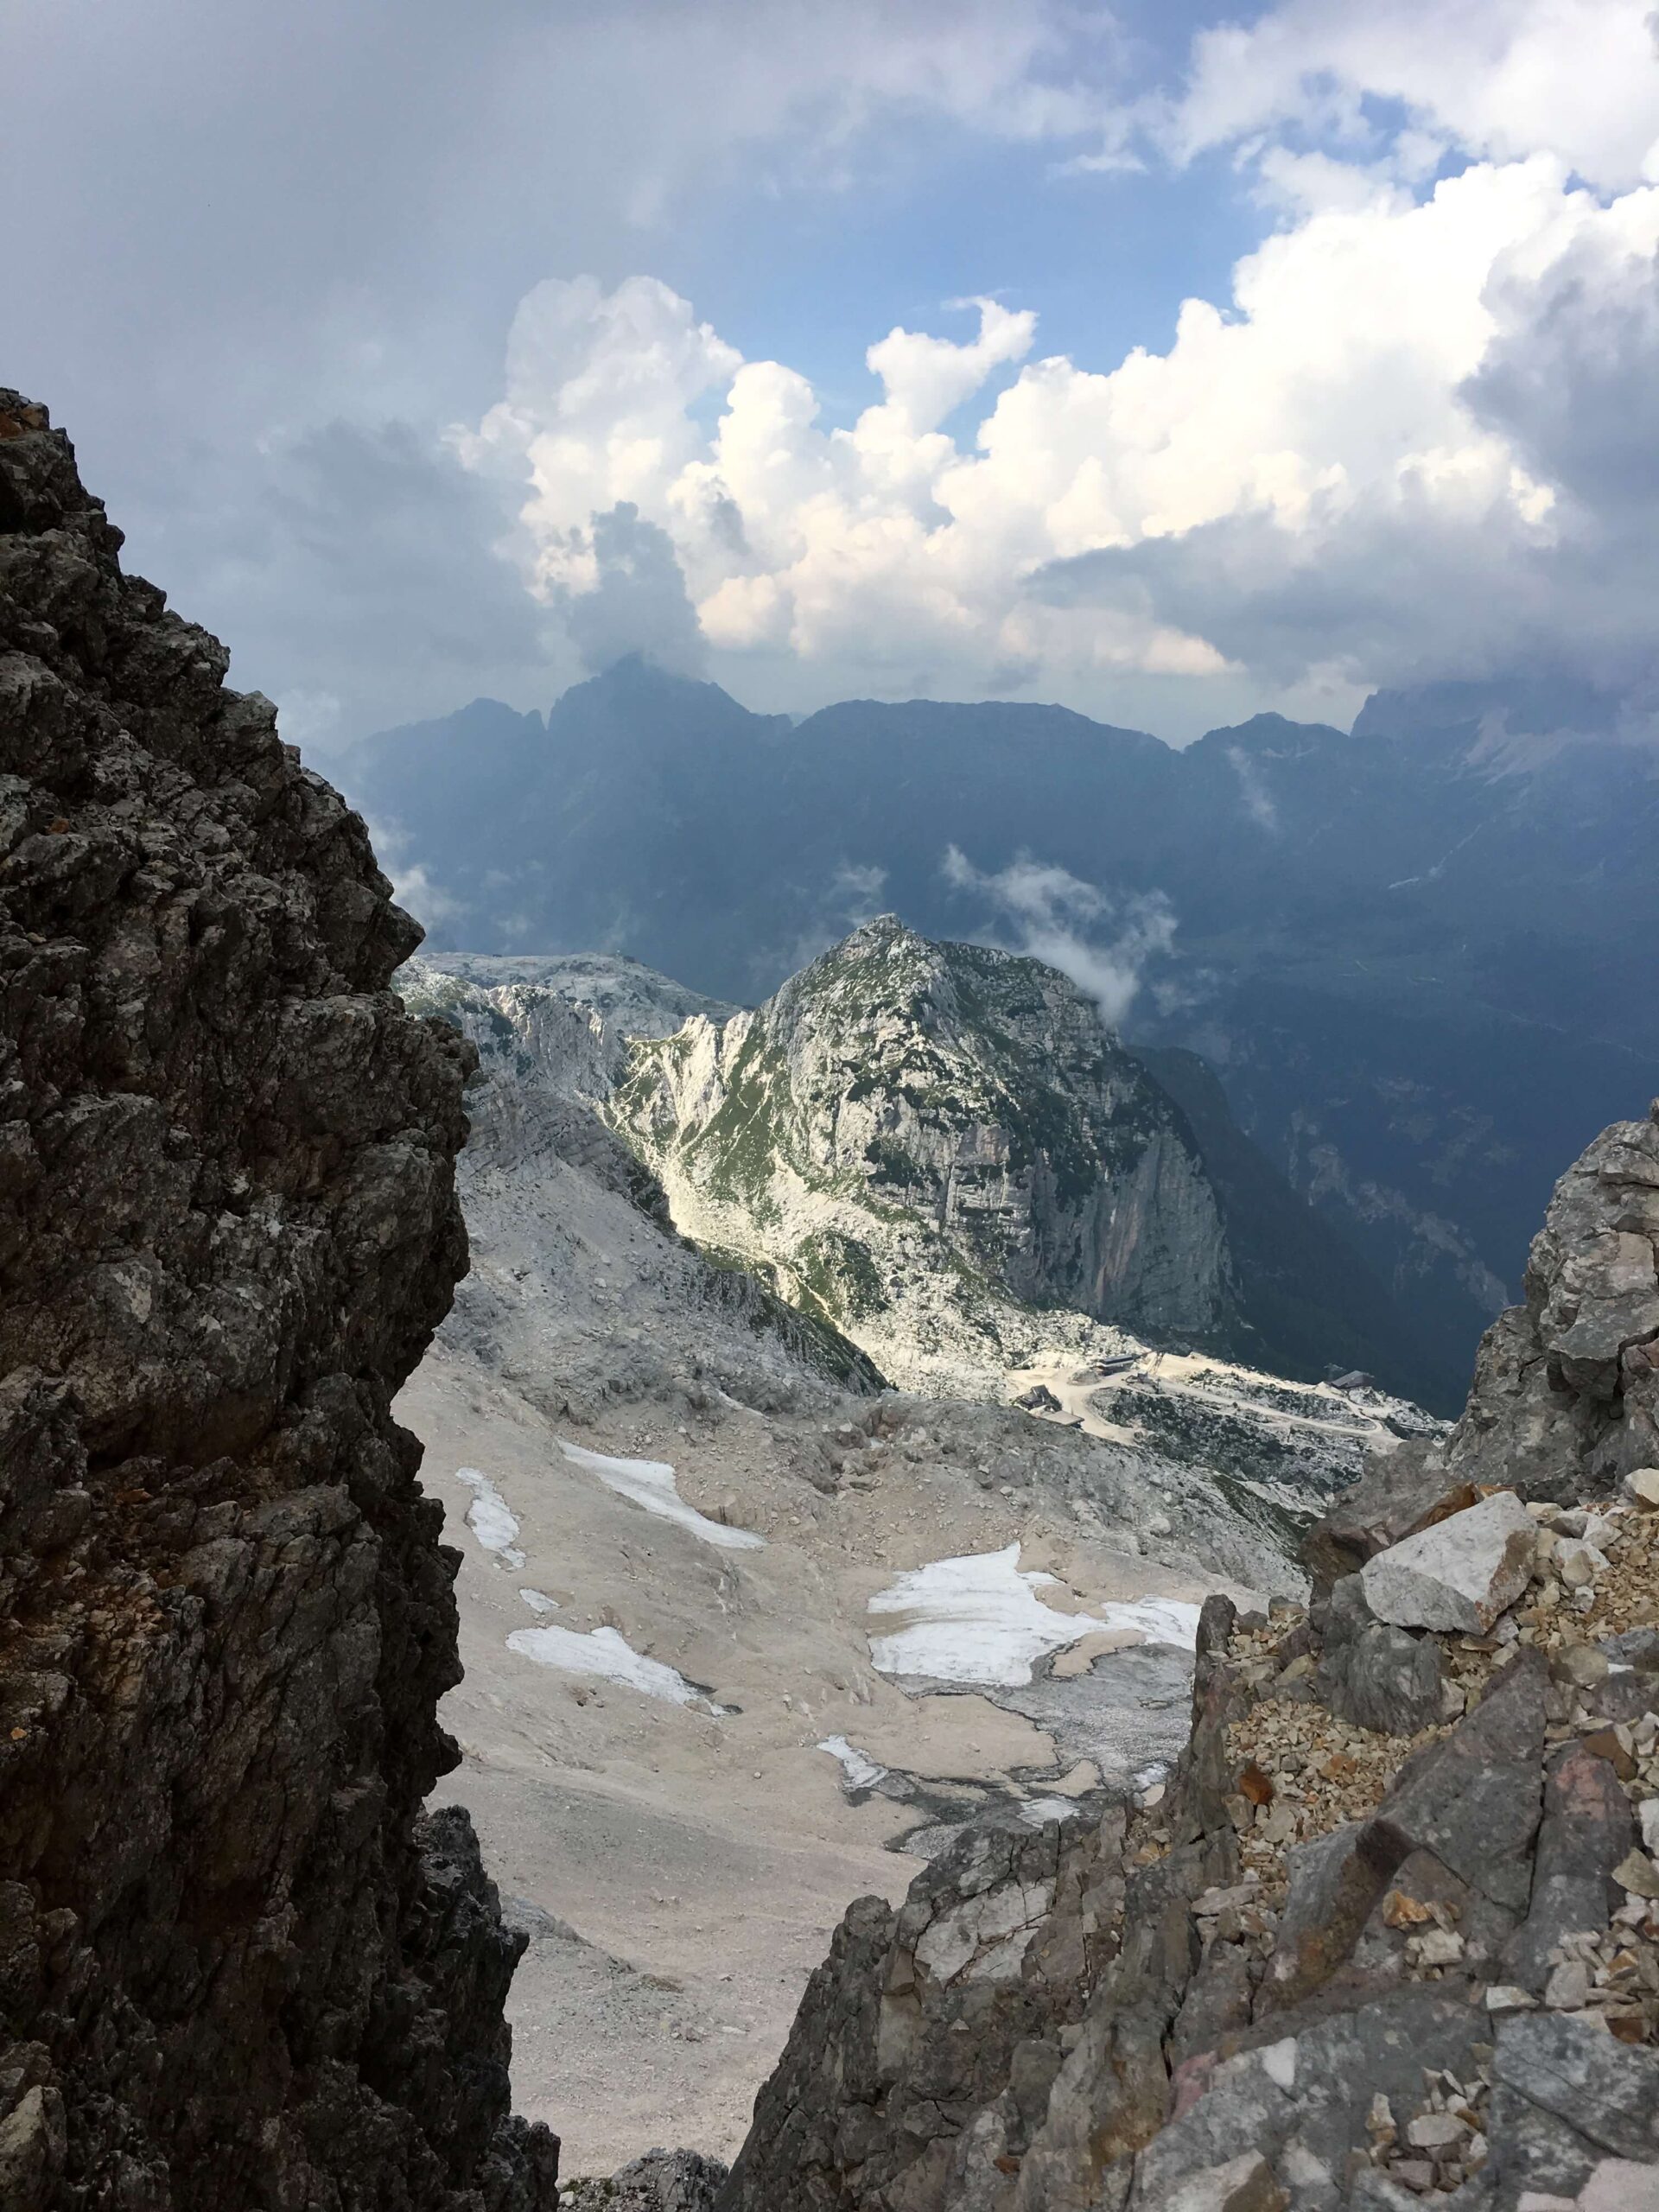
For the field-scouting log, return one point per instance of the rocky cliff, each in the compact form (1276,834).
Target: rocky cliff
(944,1124)
(1390,1933)
(238,1968)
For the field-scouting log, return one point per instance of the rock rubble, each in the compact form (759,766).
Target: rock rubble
(1388,1936)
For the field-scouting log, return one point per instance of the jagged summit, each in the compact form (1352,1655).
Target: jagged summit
(941,1150)
(911,1128)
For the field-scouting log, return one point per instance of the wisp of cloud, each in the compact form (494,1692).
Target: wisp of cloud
(1054,914)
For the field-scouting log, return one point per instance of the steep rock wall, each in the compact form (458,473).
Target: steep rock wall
(238,1968)
(903,1110)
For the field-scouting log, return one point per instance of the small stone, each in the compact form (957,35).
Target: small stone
(1569,1986)
(1439,1947)
(1506,1996)
(1577,1564)
(1430,2131)
(1277,1824)
(1648,1813)
(1400,1910)
(1641,1485)
(1639,1874)
(1581,1663)
(1605,1744)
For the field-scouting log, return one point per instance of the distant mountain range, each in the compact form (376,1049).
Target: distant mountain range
(1416,955)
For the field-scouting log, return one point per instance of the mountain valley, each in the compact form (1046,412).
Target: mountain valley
(1412,953)
(733,1611)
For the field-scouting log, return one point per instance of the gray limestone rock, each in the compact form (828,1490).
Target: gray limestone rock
(1375,1674)
(1586,1830)
(1474,1798)
(660,2181)
(1461,1573)
(1566,1395)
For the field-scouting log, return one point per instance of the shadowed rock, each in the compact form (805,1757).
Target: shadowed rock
(238,1968)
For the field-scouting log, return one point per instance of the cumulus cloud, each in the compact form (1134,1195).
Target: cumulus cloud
(637,600)
(1400,451)
(1104,944)
(1413,437)
(1498,78)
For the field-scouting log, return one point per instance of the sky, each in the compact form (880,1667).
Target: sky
(1170,361)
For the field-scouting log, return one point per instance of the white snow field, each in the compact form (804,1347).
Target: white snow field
(1037,1812)
(602,1653)
(974,1619)
(1156,1620)
(978,1619)
(651,1484)
(490,1517)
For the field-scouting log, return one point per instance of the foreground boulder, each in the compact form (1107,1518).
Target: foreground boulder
(1390,1933)
(1462,1573)
(238,1968)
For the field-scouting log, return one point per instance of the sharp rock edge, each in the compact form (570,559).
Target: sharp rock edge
(237,1966)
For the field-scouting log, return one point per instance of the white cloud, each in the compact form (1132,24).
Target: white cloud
(1501,79)
(1344,434)
(1060,920)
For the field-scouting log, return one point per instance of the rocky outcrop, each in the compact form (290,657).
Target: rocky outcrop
(1329,1964)
(1390,1932)
(238,1968)
(902,1107)
(1566,1395)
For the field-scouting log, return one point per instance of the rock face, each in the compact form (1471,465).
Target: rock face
(1570,1380)
(946,1095)
(552,1036)
(237,1966)
(1389,1935)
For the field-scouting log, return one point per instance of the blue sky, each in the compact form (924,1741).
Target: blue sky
(425,352)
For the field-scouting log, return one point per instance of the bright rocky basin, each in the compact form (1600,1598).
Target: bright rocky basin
(1391,1933)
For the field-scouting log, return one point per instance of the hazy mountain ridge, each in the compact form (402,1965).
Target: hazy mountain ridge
(1415,954)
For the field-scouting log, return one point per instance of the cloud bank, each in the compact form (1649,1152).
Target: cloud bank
(1105,945)
(1417,441)
(1411,435)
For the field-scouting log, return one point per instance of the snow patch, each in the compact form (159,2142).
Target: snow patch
(1038,1810)
(1160,1620)
(859,1771)
(604,1655)
(539,1603)
(978,1619)
(490,1517)
(974,1619)
(651,1484)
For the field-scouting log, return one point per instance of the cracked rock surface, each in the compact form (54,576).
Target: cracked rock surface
(1389,1934)
(238,1967)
